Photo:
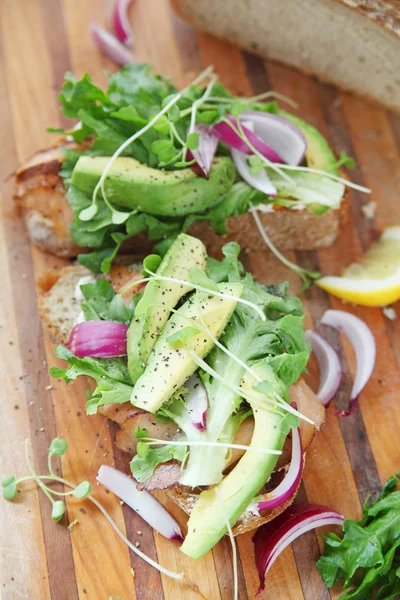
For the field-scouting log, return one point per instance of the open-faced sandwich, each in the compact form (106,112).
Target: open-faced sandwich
(146,160)
(201,366)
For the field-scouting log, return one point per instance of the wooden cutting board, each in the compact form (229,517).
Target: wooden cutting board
(39,41)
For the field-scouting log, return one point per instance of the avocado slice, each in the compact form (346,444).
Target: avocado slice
(184,254)
(168,368)
(134,185)
(318,154)
(230,498)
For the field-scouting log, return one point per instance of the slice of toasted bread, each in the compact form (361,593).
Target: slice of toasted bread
(40,194)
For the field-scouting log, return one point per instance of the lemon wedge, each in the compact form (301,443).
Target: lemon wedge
(375,280)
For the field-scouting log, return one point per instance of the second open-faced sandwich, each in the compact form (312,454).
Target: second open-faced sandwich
(202,367)
(145,161)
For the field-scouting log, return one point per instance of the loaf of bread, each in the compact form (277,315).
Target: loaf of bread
(353,44)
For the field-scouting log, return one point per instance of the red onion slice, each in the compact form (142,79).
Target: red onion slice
(330,370)
(227,135)
(98,339)
(283,136)
(260,182)
(140,501)
(196,402)
(290,483)
(110,46)
(273,537)
(360,337)
(122,26)
(205,152)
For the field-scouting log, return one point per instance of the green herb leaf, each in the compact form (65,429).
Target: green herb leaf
(58,510)
(192,140)
(198,277)
(178,339)
(289,421)
(161,147)
(142,466)
(344,161)
(58,447)
(265,387)
(9,487)
(271,107)
(114,384)
(83,490)
(256,164)
(151,263)
(55,130)
(118,311)
(142,449)
(140,433)
(365,558)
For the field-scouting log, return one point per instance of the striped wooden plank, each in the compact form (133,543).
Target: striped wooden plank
(39,40)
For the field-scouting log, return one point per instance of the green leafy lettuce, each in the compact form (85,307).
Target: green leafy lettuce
(114,385)
(367,558)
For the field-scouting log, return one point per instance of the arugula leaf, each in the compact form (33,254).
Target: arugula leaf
(198,277)
(367,558)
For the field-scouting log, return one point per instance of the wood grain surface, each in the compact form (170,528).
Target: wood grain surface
(39,41)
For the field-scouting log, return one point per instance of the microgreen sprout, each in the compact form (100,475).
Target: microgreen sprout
(81,491)
(157,442)
(263,96)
